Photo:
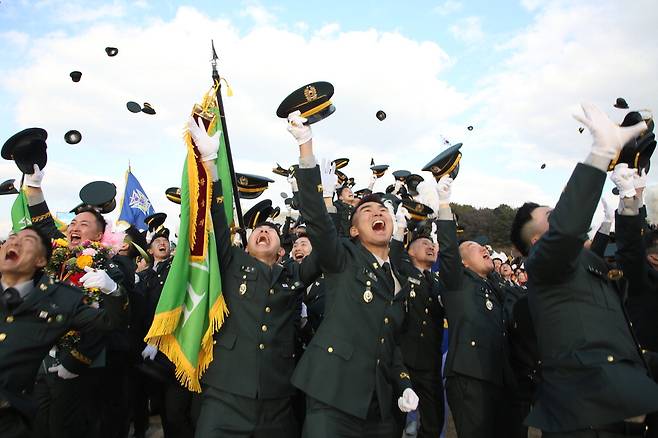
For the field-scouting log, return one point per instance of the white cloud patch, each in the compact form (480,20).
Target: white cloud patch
(259,14)
(76,12)
(468,30)
(448,7)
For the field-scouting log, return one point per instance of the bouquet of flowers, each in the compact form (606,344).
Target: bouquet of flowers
(68,263)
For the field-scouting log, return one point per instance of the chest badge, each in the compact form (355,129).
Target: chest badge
(412,294)
(367,296)
(243,288)
(489,305)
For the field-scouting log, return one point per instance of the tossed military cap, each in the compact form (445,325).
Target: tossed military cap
(401,175)
(350,182)
(412,183)
(379,170)
(133,107)
(341,162)
(73,137)
(620,103)
(446,163)
(100,195)
(401,193)
(156,228)
(363,192)
(111,51)
(138,240)
(422,230)
(381,115)
(258,214)
(251,186)
(155,221)
(276,211)
(173,194)
(637,149)
(312,100)
(417,211)
(148,109)
(389,197)
(8,188)
(75,76)
(27,148)
(342,178)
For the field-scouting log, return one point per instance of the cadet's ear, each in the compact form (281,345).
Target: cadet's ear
(281,252)
(41,262)
(353,232)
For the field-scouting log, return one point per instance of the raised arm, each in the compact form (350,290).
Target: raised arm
(319,226)
(555,254)
(450,263)
(36,204)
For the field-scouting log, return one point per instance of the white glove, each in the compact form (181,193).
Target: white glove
(608,212)
(398,186)
(444,188)
(640,179)
(237,240)
(391,211)
(409,401)
(34,180)
(433,235)
(371,184)
(62,372)
(329,178)
(296,127)
(428,195)
(622,176)
(401,217)
(208,146)
(149,352)
(608,137)
(98,278)
(293,183)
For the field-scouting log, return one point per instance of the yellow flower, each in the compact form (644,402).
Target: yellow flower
(83,261)
(61,242)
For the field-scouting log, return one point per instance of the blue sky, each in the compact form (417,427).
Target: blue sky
(516,70)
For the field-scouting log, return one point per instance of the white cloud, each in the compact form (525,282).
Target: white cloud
(532,5)
(448,7)
(18,40)
(468,30)
(327,30)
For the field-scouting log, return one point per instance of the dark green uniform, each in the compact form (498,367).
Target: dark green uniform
(422,337)
(342,218)
(247,387)
(477,365)
(593,373)
(28,331)
(352,371)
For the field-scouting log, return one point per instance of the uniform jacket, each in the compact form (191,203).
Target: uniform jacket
(593,372)
(48,312)
(254,352)
(354,354)
(422,335)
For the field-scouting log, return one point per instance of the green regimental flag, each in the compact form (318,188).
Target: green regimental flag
(191,307)
(20,216)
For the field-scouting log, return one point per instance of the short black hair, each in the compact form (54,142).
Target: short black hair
(339,190)
(46,242)
(99,217)
(271,225)
(366,199)
(523,216)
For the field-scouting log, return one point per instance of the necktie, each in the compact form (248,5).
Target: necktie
(11,299)
(388,275)
(428,277)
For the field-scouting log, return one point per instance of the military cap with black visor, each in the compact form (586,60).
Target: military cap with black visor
(27,148)
(251,186)
(312,100)
(100,195)
(156,228)
(638,151)
(8,188)
(445,163)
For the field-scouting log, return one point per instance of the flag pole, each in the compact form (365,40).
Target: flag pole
(234,182)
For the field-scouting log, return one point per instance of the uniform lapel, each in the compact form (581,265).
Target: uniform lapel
(35,295)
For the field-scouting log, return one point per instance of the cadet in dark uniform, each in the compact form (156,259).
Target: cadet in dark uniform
(35,311)
(352,371)
(344,205)
(246,389)
(173,401)
(422,335)
(594,379)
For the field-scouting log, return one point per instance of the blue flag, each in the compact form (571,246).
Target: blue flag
(135,206)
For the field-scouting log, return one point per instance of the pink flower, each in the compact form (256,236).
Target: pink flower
(89,251)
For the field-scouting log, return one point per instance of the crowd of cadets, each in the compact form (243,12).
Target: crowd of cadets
(336,322)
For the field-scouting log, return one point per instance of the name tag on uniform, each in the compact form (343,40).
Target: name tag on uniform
(414,281)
